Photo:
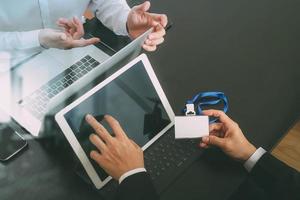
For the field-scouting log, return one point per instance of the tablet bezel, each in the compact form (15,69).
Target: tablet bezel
(66,129)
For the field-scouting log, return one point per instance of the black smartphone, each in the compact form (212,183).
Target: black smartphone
(11,142)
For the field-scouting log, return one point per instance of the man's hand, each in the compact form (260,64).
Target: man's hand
(228,136)
(70,38)
(116,155)
(139,21)
(72,27)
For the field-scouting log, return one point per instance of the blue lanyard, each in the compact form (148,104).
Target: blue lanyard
(200,100)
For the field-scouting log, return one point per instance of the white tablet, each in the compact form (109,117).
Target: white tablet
(134,97)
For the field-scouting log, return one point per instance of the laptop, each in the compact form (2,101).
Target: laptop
(52,76)
(134,96)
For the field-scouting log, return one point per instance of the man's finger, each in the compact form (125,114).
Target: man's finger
(149,48)
(204,145)
(84,42)
(62,21)
(217,133)
(154,42)
(115,126)
(71,24)
(77,21)
(215,127)
(161,18)
(100,130)
(159,32)
(76,29)
(101,146)
(144,7)
(65,26)
(213,140)
(78,35)
(96,157)
(79,28)
(218,114)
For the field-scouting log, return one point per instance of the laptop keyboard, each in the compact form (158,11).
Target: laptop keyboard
(37,102)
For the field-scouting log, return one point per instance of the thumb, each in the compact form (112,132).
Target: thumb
(214,140)
(144,7)
(84,42)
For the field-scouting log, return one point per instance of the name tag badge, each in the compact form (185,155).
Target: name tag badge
(191,126)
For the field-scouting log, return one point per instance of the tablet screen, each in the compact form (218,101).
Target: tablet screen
(130,98)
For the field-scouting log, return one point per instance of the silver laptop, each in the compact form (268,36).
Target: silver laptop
(53,76)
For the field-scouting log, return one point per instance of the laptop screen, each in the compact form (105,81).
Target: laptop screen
(130,98)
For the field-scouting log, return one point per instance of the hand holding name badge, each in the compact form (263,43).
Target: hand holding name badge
(227,135)
(192,126)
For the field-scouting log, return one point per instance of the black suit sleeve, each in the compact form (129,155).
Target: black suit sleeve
(137,187)
(278,180)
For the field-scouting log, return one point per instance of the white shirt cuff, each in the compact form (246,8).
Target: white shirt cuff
(131,172)
(30,39)
(250,163)
(123,16)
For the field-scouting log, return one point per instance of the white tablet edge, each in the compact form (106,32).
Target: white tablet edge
(80,152)
(59,117)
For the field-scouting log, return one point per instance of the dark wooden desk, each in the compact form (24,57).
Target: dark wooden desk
(248,49)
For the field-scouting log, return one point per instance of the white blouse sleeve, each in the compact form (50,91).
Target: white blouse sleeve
(10,41)
(112,13)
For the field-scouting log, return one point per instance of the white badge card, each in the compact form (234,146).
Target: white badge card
(191,126)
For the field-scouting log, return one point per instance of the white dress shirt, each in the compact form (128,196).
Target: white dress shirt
(131,172)
(21,21)
(250,163)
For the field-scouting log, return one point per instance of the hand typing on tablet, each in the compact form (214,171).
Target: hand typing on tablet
(116,154)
